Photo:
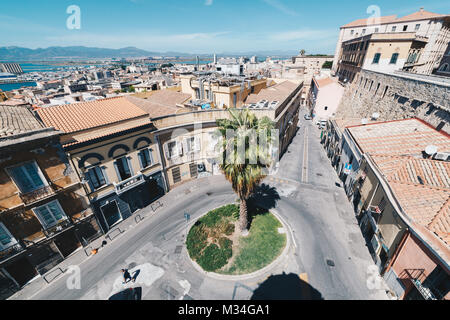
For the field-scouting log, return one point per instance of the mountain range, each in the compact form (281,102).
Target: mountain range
(81,52)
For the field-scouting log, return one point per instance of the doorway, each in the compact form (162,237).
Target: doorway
(111,213)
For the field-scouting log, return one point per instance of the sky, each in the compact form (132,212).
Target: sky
(193,26)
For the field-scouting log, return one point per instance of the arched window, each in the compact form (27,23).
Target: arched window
(444,67)
(112,152)
(142,142)
(96,156)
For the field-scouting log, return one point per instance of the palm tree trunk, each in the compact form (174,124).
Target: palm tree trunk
(243,217)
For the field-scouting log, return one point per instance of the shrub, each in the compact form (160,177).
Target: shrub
(196,241)
(213,258)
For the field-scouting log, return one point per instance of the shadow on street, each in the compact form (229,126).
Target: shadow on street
(286,287)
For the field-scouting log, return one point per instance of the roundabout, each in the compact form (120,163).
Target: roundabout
(217,249)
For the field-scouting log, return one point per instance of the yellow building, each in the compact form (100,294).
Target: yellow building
(111,144)
(222,92)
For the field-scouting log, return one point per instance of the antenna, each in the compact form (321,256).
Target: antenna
(430,150)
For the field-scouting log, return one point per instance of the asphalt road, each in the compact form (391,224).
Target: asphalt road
(323,224)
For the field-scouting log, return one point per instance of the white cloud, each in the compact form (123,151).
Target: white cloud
(277,4)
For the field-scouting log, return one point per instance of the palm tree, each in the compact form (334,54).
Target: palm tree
(244,157)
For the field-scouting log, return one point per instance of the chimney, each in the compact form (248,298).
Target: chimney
(421,9)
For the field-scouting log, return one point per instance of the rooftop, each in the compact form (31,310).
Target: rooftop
(399,137)
(15,120)
(87,115)
(161,103)
(422,188)
(419,15)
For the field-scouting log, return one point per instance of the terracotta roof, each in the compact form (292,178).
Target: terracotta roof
(87,115)
(365,22)
(162,103)
(401,137)
(419,15)
(278,92)
(16,120)
(323,82)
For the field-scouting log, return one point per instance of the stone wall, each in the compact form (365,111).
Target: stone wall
(398,96)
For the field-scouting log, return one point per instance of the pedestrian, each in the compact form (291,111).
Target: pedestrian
(126,276)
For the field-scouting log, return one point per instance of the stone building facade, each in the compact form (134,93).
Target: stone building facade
(398,95)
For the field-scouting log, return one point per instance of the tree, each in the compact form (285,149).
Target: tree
(302,52)
(245,154)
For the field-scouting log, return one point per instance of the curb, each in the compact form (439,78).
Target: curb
(258,273)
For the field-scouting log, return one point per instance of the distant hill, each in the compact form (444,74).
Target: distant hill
(22,54)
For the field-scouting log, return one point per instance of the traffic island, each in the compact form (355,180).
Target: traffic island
(216,245)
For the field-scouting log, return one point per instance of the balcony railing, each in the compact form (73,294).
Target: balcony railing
(130,183)
(60,226)
(416,276)
(11,251)
(36,195)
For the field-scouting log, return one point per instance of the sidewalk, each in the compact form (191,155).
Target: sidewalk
(83,254)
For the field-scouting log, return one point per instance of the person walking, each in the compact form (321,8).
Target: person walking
(126,276)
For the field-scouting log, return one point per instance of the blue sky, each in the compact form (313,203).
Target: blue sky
(194,26)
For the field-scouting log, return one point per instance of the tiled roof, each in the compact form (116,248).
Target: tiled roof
(365,22)
(161,104)
(324,82)
(87,115)
(278,92)
(16,120)
(422,188)
(419,15)
(402,137)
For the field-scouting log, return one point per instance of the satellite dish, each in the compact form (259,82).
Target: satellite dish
(430,150)
(375,116)
(364,121)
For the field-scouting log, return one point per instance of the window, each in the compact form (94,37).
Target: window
(123,168)
(234,99)
(28,177)
(417,27)
(444,67)
(352,32)
(173,150)
(146,158)
(405,28)
(50,214)
(377,30)
(363,31)
(96,177)
(193,144)
(376,58)
(326,108)
(6,239)
(176,175)
(394,28)
(394,58)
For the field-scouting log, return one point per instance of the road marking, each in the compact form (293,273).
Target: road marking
(305,158)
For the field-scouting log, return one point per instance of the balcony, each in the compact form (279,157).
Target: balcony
(11,251)
(36,195)
(417,276)
(129,184)
(60,226)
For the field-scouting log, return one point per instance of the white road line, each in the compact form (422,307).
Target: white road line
(305,158)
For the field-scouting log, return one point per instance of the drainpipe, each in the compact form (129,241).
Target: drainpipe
(163,163)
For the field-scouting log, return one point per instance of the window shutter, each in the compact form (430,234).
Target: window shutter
(6,239)
(150,154)
(89,178)
(130,167)
(119,178)
(105,176)
(166,150)
(180,148)
(141,161)
(198,145)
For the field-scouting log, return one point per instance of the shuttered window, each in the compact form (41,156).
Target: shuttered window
(50,214)
(193,168)
(176,175)
(27,177)
(96,177)
(6,239)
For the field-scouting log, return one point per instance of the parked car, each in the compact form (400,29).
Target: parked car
(308,117)
(322,124)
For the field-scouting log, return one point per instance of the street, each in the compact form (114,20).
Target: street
(328,249)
